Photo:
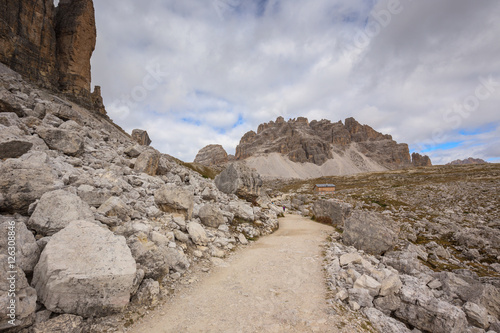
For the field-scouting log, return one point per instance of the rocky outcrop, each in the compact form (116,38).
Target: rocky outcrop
(469,160)
(332,210)
(239,179)
(420,161)
(76,37)
(212,155)
(51,46)
(141,137)
(66,283)
(318,141)
(370,232)
(172,199)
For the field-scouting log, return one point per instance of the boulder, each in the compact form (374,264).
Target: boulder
(368,283)
(115,207)
(67,142)
(242,210)
(197,233)
(141,137)
(25,180)
(13,144)
(390,285)
(384,323)
(155,260)
(422,310)
(148,293)
(95,197)
(336,211)
(56,210)
(387,304)
(211,216)
(348,258)
(173,199)
(212,155)
(371,232)
(27,250)
(147,162)
(85,270)
(239,179)
(361,297)
(65,323)
(25,296)
(476,314)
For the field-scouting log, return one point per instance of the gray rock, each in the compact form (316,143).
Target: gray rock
(180,236)
(387,304)
(173,199)
(67,142)
(134,151)
(25,180)
(27,250)
(239,179)
(243,240)
(211,216)
(404,262)
(197,233)
(242,210)
(156,261)
(93,196)
(25,296)
(420,309)
(348,258)
(65,323)
(384,323)
(12,143)
(148,293)
(141,137)
(361,296)
(89,263)
(368,283)
(489,297)
(56,210)
(476,314)
(371,232)
(390,285)
(335,210)
(147,162)
(114,206)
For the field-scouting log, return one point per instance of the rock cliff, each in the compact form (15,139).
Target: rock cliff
(420,161)
(51,46)
(354,147)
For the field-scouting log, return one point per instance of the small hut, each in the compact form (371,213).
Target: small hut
(324,188)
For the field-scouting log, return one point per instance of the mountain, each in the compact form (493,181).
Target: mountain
(52,46)
(469,160)
(298,148)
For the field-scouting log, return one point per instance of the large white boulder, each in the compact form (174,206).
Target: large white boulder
(175,199)
(56,210)
(85,270)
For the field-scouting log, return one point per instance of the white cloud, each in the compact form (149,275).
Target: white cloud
(228,65)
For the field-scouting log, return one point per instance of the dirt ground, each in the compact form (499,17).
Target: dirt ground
(274,285)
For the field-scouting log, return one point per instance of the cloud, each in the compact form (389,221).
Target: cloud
(196,72)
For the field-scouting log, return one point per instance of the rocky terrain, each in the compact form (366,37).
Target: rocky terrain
(301,149)
(414,249)
(469,160)
(103,224)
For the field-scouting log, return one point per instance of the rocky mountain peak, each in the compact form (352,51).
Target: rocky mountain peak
(469,160)
(317,141)
(51,46)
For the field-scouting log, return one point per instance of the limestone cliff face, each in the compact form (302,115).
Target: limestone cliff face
(76,38)
(51,46)
(316,142)
(420,161)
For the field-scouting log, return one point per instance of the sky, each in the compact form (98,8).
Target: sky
(199,72)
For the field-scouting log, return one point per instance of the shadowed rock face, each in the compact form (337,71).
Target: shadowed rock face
(304,141)
(420,161)
(50,46)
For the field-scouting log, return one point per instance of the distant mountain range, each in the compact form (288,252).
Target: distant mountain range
(469,160)
(298,148)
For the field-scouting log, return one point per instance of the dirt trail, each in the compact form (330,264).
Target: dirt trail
(275,285)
